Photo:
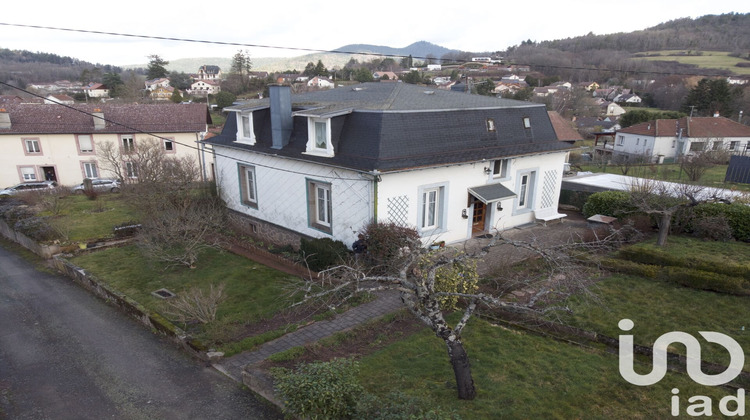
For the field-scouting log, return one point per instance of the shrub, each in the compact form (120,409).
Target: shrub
(705,280)
(737,216)
(322,253)
(608,203)
(320,390)
(37,228)
(630,267)
(713,228)
(196,305)
(386,241)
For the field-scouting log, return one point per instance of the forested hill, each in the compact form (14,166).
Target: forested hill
(21,67)
(727,32)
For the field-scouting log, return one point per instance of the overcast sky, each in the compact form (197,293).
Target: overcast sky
(472,26)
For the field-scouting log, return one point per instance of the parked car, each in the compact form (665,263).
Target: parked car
(28,186)
(100,185)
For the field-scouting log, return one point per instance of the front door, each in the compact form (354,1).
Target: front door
(49,173)
(477,220)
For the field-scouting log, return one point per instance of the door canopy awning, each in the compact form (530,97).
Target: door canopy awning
(491,193)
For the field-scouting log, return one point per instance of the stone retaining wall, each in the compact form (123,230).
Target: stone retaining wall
(44,251)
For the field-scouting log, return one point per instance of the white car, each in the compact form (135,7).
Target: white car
(100,185)
(36,186)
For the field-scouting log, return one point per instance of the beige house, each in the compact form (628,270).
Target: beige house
(60,143)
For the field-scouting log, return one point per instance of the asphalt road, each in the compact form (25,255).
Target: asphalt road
(65,354)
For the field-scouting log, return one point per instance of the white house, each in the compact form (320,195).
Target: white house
(96,90)
(207,72)
(154,84)
(672,138)
(325,163)
(204,87)
(60,143)
(320,82)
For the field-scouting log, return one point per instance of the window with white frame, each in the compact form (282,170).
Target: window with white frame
(85,144)
(32,146)
(320,206)
(90,170)
(131,170)
(245,129)
(128,143)
(526,122)
(525,187)
(248,186)
(430,206)
(734,145)
(319,137)
(500,168)
(28,173)
(431,209)
(490,124)
(620,140)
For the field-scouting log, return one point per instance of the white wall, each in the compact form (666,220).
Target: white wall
(282,193)
(404,187)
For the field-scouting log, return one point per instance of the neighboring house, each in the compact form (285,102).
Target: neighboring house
(434,67)
(589,86)
(391,75)
(564,128)
(627,98)
(96,90)
(154,84)
(59,99)
(320,82)
(204,87)
(60,143)
(612,109)
(326,163)
(672,138)
(162,93)
(207,72)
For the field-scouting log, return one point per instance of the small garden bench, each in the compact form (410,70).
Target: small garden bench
(546,215)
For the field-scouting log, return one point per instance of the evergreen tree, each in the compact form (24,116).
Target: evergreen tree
(709,96)
(320,69)
(156,67)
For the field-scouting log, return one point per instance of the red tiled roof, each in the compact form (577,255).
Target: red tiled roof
(698,127)
(131,118)
(563,128)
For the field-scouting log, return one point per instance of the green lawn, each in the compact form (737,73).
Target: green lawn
(253,290)
(707,59)
(521,376)
(714,176)
(82,220)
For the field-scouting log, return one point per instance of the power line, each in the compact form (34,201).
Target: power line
(313,50)
(136,130)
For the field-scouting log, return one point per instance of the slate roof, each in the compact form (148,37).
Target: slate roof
(122,119)
(398,126)
(697,127)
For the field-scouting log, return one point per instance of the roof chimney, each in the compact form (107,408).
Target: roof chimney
(281,115)
(716,114)
(4,119)
(99,122)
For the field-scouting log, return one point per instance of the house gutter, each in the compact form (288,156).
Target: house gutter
(375,180)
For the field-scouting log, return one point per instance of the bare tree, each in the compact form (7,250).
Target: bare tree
(177,214)
(433,284)
(664,200)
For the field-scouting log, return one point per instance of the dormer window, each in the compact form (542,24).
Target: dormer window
(319,137)
(245,132)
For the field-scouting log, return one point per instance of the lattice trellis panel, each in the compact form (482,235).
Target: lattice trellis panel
(398,210)
(549,185)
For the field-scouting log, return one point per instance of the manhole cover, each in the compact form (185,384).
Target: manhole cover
(163,294)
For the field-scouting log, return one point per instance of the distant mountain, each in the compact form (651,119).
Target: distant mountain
(417,49)
(360,52)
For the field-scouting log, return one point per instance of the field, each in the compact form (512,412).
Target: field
(704,59)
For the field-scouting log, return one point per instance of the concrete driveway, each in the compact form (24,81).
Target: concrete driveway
(64,354)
